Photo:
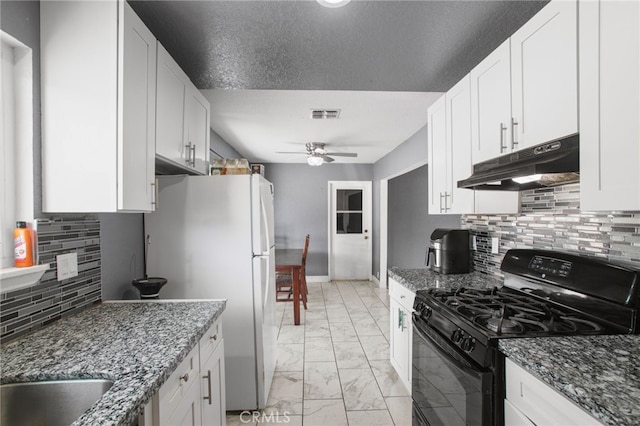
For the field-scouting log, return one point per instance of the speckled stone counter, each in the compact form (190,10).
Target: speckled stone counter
(137,345)
(599,373)
(418,279)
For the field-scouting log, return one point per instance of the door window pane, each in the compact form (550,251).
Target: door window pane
(349,223)
(349,200)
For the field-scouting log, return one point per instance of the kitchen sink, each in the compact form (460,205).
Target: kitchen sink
(49,403)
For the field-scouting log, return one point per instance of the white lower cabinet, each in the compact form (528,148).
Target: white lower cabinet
(194,394)
(401,337)
(530,401)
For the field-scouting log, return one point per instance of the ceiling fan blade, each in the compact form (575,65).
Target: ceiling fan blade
(342,154)
(328,159)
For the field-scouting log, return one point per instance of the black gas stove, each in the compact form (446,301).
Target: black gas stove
(457,368)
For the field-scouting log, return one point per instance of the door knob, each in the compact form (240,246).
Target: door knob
(366,237)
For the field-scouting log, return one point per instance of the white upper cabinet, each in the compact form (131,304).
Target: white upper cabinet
(609,105)
(458,105)
(437,156)
(171,95)
(198,135)
(525,92)
(491,105)
(449,157)
(183,119)
(544,76)
(98,78)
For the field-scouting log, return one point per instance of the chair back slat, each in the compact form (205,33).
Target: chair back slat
(305,250)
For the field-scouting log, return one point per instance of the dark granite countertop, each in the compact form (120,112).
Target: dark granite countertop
(137,345)
(418,279)
(601,374)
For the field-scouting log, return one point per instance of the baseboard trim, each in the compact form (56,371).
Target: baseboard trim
(375,280)
(317,278)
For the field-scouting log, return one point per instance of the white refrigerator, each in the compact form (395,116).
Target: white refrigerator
(212,237)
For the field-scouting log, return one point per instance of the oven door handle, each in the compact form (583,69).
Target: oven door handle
(453,358)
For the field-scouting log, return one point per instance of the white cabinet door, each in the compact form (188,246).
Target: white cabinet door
(183,119)
(213,388)
(437,157)
(171,98)
(96,137)
(136,147)
(399,344)
(544,76)
(401,327)
(538,401)
(459,166)
(196,154)
(491,105)
(609,105)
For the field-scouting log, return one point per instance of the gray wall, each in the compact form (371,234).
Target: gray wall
(122,246)
(219,148)
(410,154)
(410,224)
(301,205)
(21,19)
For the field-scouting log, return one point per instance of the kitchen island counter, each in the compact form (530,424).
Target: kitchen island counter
(137,345)
(598,373)
(419,279)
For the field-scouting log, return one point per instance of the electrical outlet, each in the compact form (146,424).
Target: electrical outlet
(67,265)
(474,243)
(495,245)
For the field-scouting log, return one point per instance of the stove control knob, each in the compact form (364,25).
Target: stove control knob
(457,336)
(423,310)
(468,344)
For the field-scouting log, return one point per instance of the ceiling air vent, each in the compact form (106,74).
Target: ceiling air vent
(321,114)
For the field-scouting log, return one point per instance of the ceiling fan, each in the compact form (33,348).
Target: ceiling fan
(317,154)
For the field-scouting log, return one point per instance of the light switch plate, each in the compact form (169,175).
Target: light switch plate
(495,245)
(67,265)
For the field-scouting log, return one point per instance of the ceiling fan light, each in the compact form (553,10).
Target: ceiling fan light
(314,160)
(333,3)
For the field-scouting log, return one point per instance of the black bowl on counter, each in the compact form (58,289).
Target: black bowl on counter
(149,287)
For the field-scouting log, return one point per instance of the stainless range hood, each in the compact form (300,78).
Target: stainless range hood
(547,164)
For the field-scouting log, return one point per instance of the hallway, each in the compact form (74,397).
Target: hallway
(333,369)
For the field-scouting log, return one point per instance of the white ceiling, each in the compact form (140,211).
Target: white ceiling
(261,123)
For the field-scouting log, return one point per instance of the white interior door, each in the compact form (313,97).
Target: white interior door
(350,230)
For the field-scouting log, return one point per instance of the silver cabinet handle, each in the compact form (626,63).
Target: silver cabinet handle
(441,197)
(514,125)
(446,204)
(193,155)
(184,378)
(187,154)
(154,194)
(208,377)
(503,147)
(213,337)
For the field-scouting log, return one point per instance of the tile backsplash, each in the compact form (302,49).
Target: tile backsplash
(550,218)
(30,308)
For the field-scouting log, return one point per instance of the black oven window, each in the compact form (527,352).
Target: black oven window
(445,392)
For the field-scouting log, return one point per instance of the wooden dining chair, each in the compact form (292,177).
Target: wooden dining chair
(284,280)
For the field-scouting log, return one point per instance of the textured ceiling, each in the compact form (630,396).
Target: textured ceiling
(300,45)
(264,64)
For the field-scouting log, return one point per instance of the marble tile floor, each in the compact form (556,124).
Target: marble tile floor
(333,369)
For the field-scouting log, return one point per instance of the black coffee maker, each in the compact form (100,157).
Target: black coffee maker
(448,251)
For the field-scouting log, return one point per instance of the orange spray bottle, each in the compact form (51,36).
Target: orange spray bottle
(23,245)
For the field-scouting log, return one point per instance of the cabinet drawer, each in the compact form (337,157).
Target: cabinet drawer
(539,402)
(403,295)
(210,341)
(179,384)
